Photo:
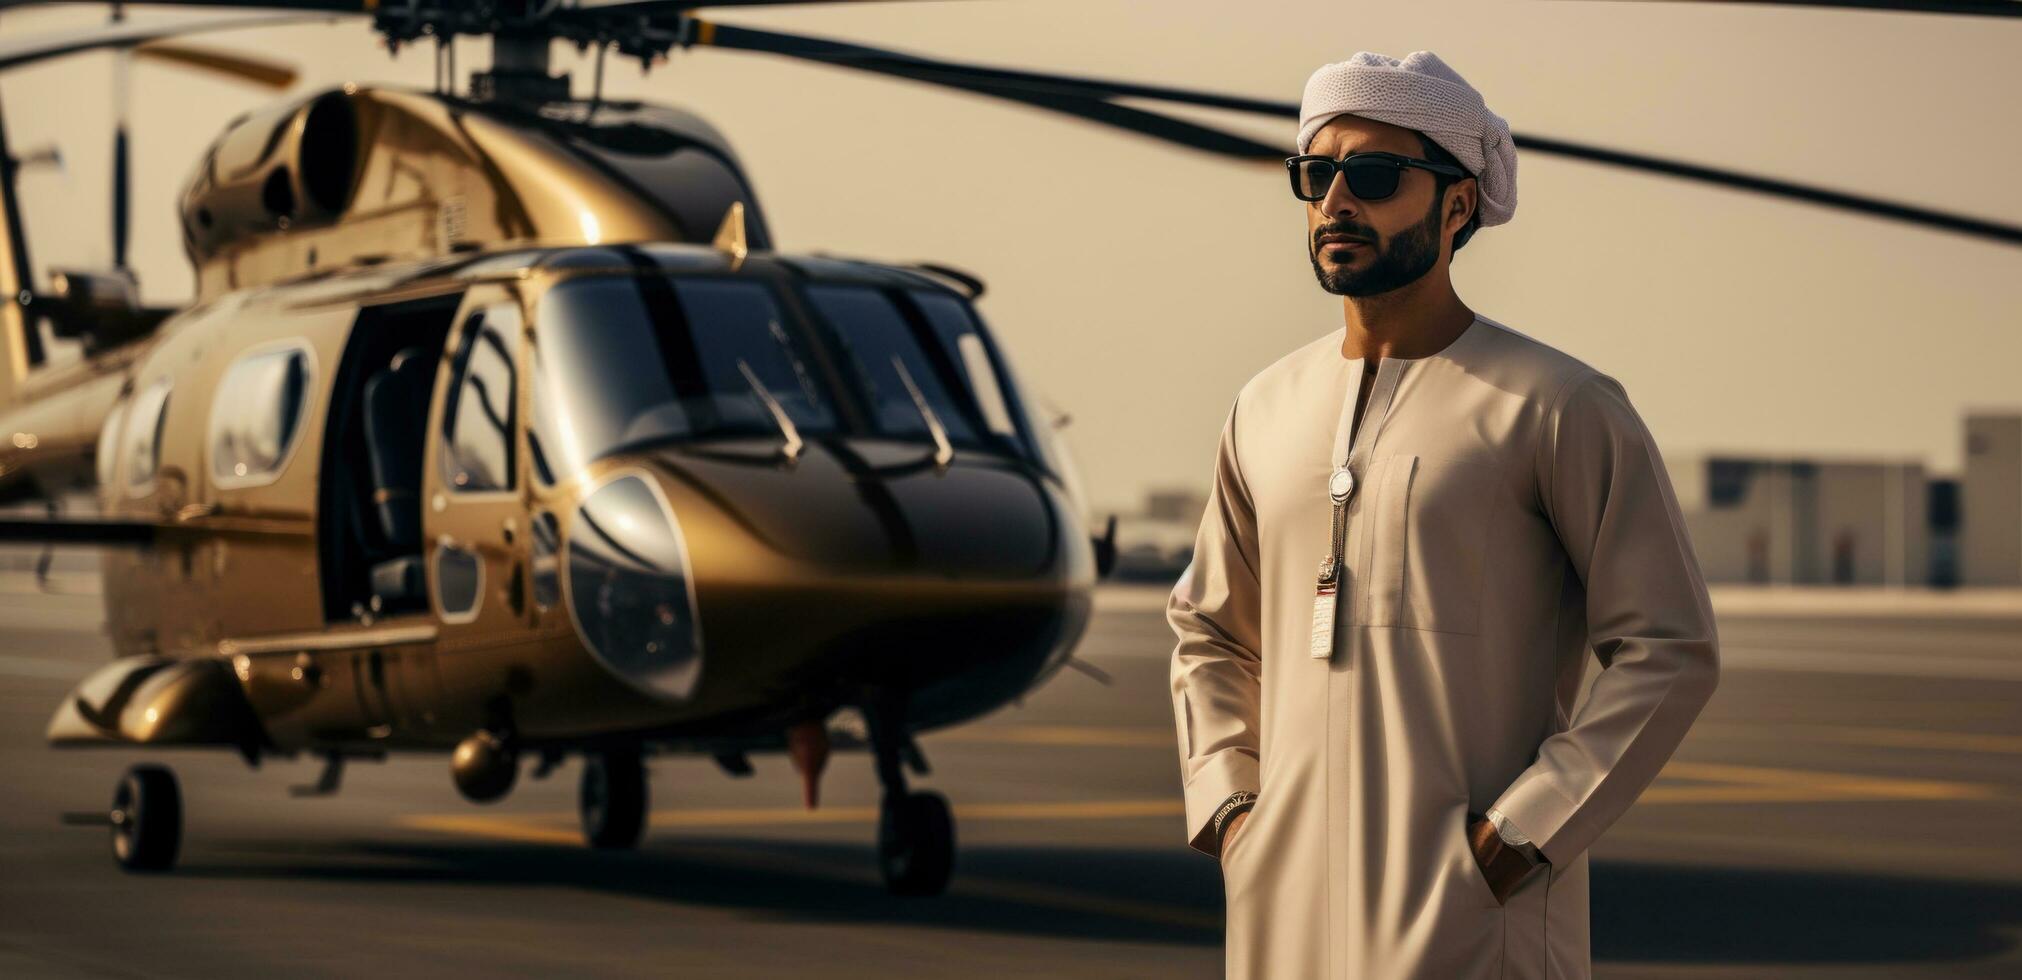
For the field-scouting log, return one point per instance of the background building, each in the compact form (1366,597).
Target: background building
(1990,499)
(1785,521)
(1860,522)
(1774,521)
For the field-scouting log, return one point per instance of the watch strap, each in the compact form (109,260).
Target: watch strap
(1238,802)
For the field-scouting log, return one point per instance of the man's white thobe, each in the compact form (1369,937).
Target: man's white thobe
(1510,511)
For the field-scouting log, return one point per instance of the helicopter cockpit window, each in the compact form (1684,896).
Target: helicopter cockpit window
(957,332)
(143,436)
(256,413)
(622,362)
(879,342)
(477,418)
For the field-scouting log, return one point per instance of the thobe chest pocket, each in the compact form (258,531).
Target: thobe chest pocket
(1423,552)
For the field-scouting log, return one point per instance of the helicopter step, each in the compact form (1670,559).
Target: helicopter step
(146,819)
(916,830)
(331,778)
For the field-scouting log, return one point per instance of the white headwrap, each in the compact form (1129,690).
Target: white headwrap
(1420,93)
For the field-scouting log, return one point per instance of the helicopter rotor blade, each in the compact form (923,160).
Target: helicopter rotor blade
(656,6)
(1140,121)
(122,178)
(244,68)
(1979,8)
(42,47)
(1081,97)
(263,72)
(527,9)
(325,6)
(866,58)
(1790,190)
(1087,98)
(123,38)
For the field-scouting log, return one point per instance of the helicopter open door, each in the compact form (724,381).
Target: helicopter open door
(369,506)
(473,489)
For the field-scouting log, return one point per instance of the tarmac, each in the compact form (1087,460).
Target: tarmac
(1846,807)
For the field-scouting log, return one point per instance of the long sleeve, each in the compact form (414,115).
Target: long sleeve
(1216,610)
(1604,487)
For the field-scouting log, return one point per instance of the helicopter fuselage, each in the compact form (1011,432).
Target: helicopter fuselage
(401,502)
(469,430)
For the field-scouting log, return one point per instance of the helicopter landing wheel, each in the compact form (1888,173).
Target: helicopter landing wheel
(613,799)
(147,819)
(916,843)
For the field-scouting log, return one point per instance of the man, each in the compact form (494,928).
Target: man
(1383,631)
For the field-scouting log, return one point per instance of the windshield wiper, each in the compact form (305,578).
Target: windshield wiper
(779,416)
(943,452)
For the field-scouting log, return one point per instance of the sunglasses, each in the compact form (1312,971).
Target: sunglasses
(1371,176)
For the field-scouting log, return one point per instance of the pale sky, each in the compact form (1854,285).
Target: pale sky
(1138,286)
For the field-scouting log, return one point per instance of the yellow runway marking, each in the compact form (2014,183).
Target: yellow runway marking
(1902,738)
(538,827)
(520,829)
(1680,782)
(971,886)
(1720,783)
(747,816)
(533,829)
(1162,736)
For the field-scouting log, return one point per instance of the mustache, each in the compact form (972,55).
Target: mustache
(1319,233)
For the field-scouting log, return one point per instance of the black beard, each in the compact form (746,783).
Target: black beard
(1411,254)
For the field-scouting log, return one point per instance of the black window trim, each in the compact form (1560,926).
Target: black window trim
(921,330)
(474,327)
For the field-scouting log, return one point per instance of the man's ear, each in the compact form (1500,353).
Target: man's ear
(1468,191)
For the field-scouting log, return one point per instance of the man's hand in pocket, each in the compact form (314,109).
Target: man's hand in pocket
(1503,866)
(1235,827)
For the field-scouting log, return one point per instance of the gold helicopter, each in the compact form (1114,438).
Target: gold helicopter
(497,427)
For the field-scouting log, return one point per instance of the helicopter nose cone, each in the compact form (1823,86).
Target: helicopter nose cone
(876,506)
(631,589)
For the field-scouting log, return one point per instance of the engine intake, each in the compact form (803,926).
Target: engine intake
(293,166)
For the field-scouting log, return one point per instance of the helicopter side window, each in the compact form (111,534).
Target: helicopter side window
(143,436)
(459,583)
(256,413)
(879,341)
(479,412)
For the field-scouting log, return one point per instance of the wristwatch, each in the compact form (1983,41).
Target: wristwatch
(1515,838)
(1237,802)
